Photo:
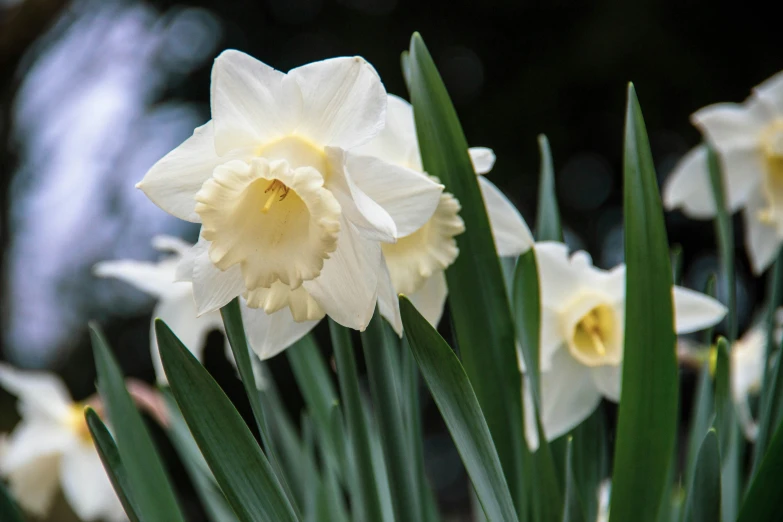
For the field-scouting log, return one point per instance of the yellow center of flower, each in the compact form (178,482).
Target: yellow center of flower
(771,140)
(415,257)
(78,424)
(594,339)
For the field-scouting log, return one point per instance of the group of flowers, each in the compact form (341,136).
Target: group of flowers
(312,201)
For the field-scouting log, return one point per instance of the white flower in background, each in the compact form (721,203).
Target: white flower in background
(418,259)
(582,336)
(51,445)
(748,138)
(290,216)
(176,306)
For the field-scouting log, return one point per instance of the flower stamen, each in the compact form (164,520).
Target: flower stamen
(276,187)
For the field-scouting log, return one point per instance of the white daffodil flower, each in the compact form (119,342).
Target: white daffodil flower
(582,336)
(418,259)
(290,216)
(749,140)
(176,306)
(51,445)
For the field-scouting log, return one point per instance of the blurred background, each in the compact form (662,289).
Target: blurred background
(93,92)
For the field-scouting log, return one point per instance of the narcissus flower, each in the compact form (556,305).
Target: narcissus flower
(582,336)
(290,216)
(176,306)
(418,259)
(51,445)
(748,138)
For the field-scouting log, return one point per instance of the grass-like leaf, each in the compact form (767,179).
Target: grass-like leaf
(762,502)
(705,492)
(548,226)
(152,493)
(9,512)
(237,462)
(460,409)
(573,510)
(647,423)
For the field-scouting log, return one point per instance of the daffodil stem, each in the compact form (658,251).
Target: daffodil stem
(369,502)
(378,353)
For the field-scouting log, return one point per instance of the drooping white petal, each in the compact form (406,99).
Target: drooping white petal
(344,102)
(35,438)
(370,218)
(39,393)
(212,287)
(172,183)
(568,396)
(388,303)
(694,311)
(397,142)
(511,233)
(430,299)
(608,380)
(34,486)
(252,103)
(270,334)
(85,484)
(761,238)
(483,159)
(771,93)
(409,197)
(156,279)
(347,288)
(732,126)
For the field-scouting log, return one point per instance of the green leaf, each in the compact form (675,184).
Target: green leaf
(710,289)
(153,495)
(460,409)
(724,405)
(590,460)
(477,297)
(676,260)
(573,510)
(705,492)
(379,357)
(647,421)
(110,457)
(9,512)
(215,504)
(725,232)
(527,318)
(762,502)
(701,419)
(548,226)
(237,462)
(235,331)
(368,505)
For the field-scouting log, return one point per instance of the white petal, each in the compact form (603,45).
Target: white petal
(771,93)
(173,181)
(397,142)
(212,287)
(252,103)
(568,396)
(409,197)
(347,288)
(38,392)
(173,244)
(33,439)
(731,126)
(156,279)
(511,233)
(388,303)
(694,311)
(558,282)
(761,239)
(608,379)
(344,102)
(430,299)
(552,337)
(180,315)
(270,334)
(483,159)
(186,264)
(372,221)
(85,484)
(34,486)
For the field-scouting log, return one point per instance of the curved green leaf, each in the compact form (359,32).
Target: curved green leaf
(762,502)
(548,226)
(573,510)
(237,462)
(647,422)
(9,512)
(457,402)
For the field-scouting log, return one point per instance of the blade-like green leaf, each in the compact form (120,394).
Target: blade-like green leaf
(235,331)
(394,438)
(647,422)
(724,406)
(366,494)
(110,458)
(237,462)
(710,289)
(705,492)
(548,216)
(573,510)
(590,461)
(702,416)
(153,495)
(9,512)
(457,402)
(762,502)
(477,297)
(676,260)
(725,232)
